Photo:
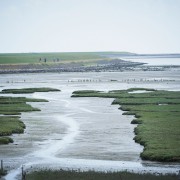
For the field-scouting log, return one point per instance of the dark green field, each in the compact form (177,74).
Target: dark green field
(74,175)
(157,114)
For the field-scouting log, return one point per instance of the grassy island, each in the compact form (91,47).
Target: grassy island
(28,90)
(157,114)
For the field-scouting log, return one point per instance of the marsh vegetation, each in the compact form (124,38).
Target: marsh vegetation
(157,115)
(15,106)
(29,90)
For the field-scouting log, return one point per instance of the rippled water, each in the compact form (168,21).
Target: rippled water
(86,133)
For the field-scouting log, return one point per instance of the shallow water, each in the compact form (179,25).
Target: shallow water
(155,60)
(85,133)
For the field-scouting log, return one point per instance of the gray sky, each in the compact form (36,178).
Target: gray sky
(141,26)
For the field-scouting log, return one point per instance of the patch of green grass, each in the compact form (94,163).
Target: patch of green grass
(85,92)
(157,115)
(141,101)
(159,134)
(126,94)
(17,100)
(29,90)
(91,175)
(16,108)
(6,140)
(12,124)
(151,108)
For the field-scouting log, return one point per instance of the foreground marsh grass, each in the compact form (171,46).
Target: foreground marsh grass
(14,106)
(91,175)
(157,115)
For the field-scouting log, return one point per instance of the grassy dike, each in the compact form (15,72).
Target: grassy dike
(157,114)
(19,58)
(64,57)
(15,106)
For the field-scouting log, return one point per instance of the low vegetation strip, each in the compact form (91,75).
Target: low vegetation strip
(16,105)
(28,90)
(141,101)
(91,175)
(157,115)
(17,100)
(16,108)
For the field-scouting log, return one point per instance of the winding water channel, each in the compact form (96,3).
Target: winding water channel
(81,133)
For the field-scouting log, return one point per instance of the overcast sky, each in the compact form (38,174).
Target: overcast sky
(140,26)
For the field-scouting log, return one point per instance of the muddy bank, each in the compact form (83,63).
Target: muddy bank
(103,65)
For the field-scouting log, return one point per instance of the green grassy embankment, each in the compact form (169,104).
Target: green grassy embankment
(91,175)
(157,114)
(15,106)
(31,58)
(62,57)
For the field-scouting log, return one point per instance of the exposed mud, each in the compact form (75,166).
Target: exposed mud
(85,133)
